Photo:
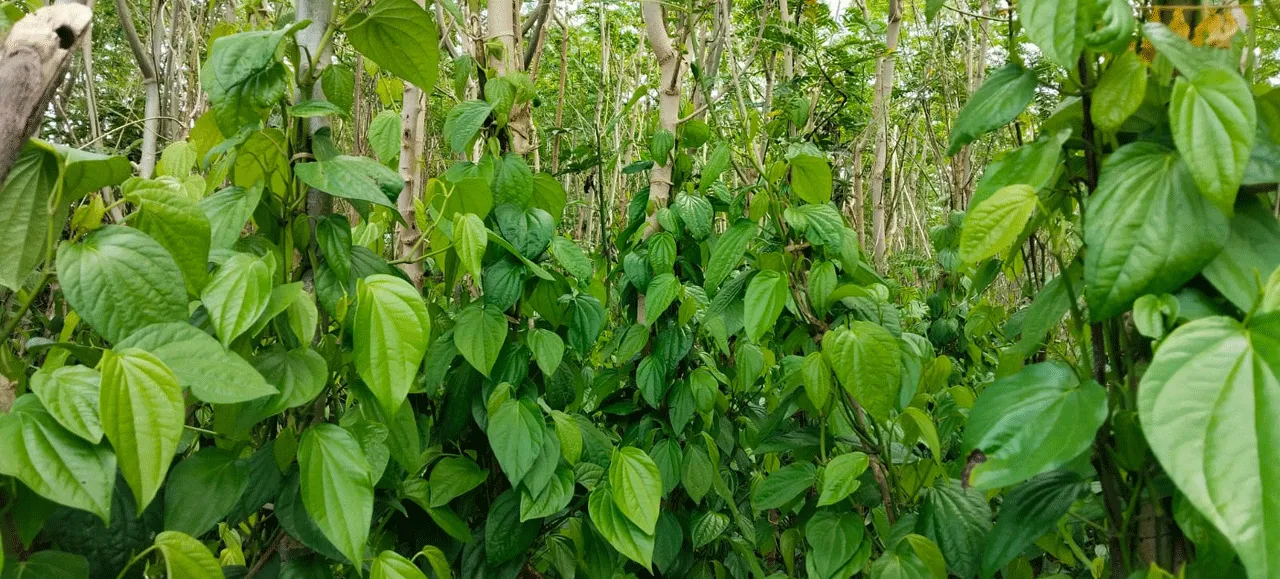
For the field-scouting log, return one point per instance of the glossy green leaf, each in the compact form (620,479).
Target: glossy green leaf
(48,565)
(662,292)
(178,223)
(244,77)
(1120,91)
(463,122)
(553,498)
(1000,99)
(337,489)
(817,380)
(1031,422)
(479,332)
(120,280)
(1207,408)
(783,485)
(840,477)
(993,226)
(333,234)
(212,372)
(237,295)
(867,361)
(505,536)
(706,527)
(1214,122)
(811,178)
(70,394)
(637,487)
(392,565)
(452,477)
(355,178)
(727,254)
(202,489)
(227,211)
(766,298)
(470,237)
(184,556)
(54,463)
(834,538)
(617,529)
(142,415)
(548,349)
(1248,257)
(1148,230)
(572,259)
(515,433)
(1057,27)
(391,331)
(1028,511)
(24,212)
(958,520)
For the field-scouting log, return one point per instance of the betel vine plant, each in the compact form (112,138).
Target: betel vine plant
(233,368)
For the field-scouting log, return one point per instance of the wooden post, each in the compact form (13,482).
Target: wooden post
(33,60)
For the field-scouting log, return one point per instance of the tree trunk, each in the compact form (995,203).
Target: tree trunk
(668,104)
(880,113)
(502,29)
(151,87)
(411,145)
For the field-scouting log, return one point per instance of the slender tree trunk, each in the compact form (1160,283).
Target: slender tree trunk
(310,39)
(502,31)
(880,112)
(668,114)
(555,141)
(150,86)
(412,119)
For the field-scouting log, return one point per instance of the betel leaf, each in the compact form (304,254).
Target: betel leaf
(991,228)
(1032,422)
(384,136)
(54,463)
(817,380)
(391,331)
(227,211)
(212,372)
(142,415)
(120,280)
(24,213)
(333,235)
(505,536)
(1000,99)
(696,213)
(392,565)
(1207,405)
(1214,123)
(705,527)
(70,394)
(515,433)
(867,361)
(766,298)
(202,489)
(834,538)
(585,321)
(470,237)
(811,178)
(549,196)
(1028,511)
(662,292)
(1249,256)
(729,249)
(1148,230)
(244,77)
(178,223)
(86,171)
(400,36)
(336,487)
(463,122)
(1035,164)
(553,498)
(452,477)
(1120,91)
(548,349)
(783,486)
(1057,27)
(48,564)
(237,295)
(479,332)
(186,557)
(957,519)
(840,477)
(356,178)
(572,259)
(617,529)
(637,487)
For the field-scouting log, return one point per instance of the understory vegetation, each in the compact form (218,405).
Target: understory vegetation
(696,288)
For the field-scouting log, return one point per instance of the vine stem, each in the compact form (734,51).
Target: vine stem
(24,305)
(134,560)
